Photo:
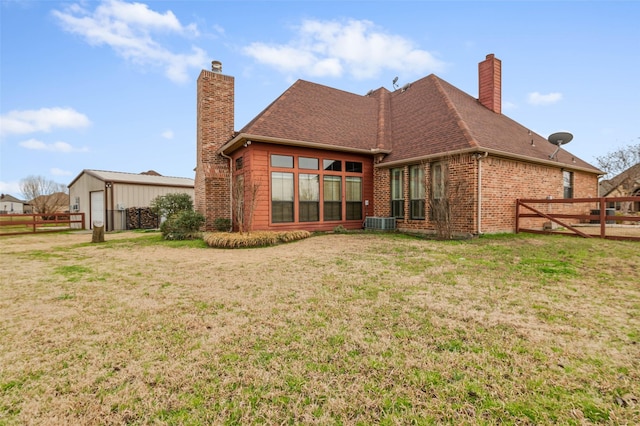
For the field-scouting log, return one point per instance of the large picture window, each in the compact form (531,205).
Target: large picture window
(309,197)
(397,193)
(281,197)
(332,198)
(353,194)
(416,191)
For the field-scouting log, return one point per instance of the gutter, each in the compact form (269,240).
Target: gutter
(494,152)
(239,139)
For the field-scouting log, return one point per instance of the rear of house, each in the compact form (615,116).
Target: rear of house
(318,158)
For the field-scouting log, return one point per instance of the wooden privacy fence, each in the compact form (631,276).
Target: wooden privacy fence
(16,224)
(584,217)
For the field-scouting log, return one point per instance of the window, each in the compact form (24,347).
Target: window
(353,166)
(397,193)
(308,163)
(332,165)
(332,198)
(437,179)
(567,178)
(309,197)
(239,163)
(416,191)
(285,161)
(281,197)
(354,197)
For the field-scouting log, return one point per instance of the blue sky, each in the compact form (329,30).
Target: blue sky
(111,85)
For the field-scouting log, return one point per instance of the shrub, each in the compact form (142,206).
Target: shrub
(253,239)
(222,224)
(184,225)
(170,204)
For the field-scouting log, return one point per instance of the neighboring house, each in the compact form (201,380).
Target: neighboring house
(11,205)
(104,196)
(319,157)
(626,184)
(58,202)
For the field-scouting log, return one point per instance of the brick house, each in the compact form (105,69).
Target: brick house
(319,157)
(625,184)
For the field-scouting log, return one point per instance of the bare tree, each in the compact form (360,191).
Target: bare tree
(44,195)
(243,214)
(448,198)
(618,161)
(625,163)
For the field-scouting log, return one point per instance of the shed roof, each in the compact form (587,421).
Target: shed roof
(134,178)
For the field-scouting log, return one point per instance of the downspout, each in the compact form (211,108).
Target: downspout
(113,227)
(479,157)
(230,186)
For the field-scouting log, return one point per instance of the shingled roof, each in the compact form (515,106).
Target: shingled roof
(425,119)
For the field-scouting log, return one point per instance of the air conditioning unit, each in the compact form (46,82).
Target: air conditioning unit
(380,223)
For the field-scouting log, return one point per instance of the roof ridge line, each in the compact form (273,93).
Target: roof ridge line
(451,107)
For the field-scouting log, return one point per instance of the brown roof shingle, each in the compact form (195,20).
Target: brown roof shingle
(429,118)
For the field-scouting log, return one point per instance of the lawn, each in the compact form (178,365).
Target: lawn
(334,329)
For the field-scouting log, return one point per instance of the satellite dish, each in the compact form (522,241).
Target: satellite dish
(395,81)
(558,139)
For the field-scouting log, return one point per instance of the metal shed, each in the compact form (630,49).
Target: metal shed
(104,196)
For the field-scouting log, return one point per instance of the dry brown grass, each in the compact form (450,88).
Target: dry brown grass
(234,240)
(346,329)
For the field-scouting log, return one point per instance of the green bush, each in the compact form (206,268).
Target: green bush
(184,225)
(170,204)
(222,224)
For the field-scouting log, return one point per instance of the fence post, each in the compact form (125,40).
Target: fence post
(603,213)
(517,216)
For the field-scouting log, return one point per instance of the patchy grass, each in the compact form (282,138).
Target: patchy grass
(337,329)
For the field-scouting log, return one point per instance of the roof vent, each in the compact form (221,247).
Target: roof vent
(216,66)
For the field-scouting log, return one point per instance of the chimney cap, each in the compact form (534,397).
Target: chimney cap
(216,66)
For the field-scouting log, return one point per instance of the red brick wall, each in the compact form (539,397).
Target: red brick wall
(215,121)
(503,181)
(490,83)
(257,169)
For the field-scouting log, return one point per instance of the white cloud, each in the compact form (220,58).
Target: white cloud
(37,145)
(357,48)
(127,28)
(167,134)
(12,188)
(59,172)
(41,120)
(536,98)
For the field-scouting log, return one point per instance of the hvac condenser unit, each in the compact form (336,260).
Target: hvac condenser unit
(380,223)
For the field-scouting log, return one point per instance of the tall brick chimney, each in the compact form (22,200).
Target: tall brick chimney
(490,83)
(215,109)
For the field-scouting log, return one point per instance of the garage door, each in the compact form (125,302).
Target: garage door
(97,208)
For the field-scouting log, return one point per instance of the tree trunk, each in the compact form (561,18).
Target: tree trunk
(98,232)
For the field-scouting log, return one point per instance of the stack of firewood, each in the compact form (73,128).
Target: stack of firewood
(141,218)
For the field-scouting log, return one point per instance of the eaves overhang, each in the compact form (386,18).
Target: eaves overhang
(242,138)
(494,152)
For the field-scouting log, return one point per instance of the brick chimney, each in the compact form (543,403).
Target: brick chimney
(215,120)
(490,83)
